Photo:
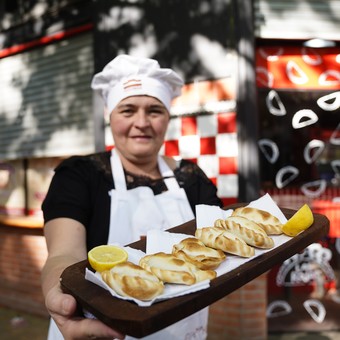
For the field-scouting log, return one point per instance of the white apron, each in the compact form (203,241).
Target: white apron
(133,213)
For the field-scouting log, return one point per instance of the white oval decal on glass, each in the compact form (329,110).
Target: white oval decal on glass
(329,77)
(274,104)
(286,175)
(295,73)
(330,102)
(303,118)
(313,150)
(269,150)
(335,136)
(314,189)
(278,308)
(309,56)
(264,77)
(315,309)
(272,56)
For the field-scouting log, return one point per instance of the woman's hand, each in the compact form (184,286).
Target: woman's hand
(66,243)
(63,309)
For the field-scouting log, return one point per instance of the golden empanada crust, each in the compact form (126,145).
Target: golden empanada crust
(246,229)
(129,279)
(171,269)
(268,222)
(219,238)
(196,252)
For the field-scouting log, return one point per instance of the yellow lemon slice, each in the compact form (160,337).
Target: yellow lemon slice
(106,257)
(300,221)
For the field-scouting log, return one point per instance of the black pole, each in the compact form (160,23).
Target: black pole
(247,110)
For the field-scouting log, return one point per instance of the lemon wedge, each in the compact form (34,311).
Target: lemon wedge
(106,257)
(300,221)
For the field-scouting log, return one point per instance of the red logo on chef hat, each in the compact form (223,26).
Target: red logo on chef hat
(132,84)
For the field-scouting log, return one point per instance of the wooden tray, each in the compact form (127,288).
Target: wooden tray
(130,319)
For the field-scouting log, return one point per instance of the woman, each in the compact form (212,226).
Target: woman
(116,197)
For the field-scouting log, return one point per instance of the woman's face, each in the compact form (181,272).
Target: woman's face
(138,125)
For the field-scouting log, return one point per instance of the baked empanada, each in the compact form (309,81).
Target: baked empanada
(219,238)
(196,252)
(171,269)
(246,229)
(129,279)
(269,223)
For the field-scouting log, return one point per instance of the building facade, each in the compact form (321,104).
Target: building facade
(259,113)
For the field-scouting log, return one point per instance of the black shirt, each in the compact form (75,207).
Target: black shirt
(81,184)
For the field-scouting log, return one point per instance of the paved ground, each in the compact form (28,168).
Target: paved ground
(22,326)
(306,336)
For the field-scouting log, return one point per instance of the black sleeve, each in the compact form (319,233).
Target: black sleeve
(68,194)
(80,190)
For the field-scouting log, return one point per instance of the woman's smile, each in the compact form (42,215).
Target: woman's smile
(141,138)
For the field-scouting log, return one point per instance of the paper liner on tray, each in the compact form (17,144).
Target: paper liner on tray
(207,214)
(162,241)
(170,290)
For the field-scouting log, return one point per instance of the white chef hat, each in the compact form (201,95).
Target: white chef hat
(127,76)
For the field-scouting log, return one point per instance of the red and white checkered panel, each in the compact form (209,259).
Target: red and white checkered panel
(211,142)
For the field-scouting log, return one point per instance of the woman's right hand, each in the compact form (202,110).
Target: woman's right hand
(63,309)
(66,243)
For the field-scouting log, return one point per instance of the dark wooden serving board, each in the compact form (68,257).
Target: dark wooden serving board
(130,319)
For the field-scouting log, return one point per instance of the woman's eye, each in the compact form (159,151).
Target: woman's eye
(156,112)
(127,112)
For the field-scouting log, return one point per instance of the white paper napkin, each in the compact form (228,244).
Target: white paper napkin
(170,290)
(266,203)
(206,215)
(162,241)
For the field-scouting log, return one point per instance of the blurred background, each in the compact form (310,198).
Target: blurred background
(259,113)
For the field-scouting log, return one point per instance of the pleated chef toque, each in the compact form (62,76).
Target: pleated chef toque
(127,76)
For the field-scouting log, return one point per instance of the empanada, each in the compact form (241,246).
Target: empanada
(196,252)
(246,229)
(129,279)
(268,222)
(219,238)
(171,269)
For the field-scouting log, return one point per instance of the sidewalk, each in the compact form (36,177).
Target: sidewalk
(22,326)
(306,336)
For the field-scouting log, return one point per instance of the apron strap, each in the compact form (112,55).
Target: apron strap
(168,175)
(117,171)
(119,178)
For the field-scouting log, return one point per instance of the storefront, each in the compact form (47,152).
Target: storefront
(259,113)
(299,106)
(298,84)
